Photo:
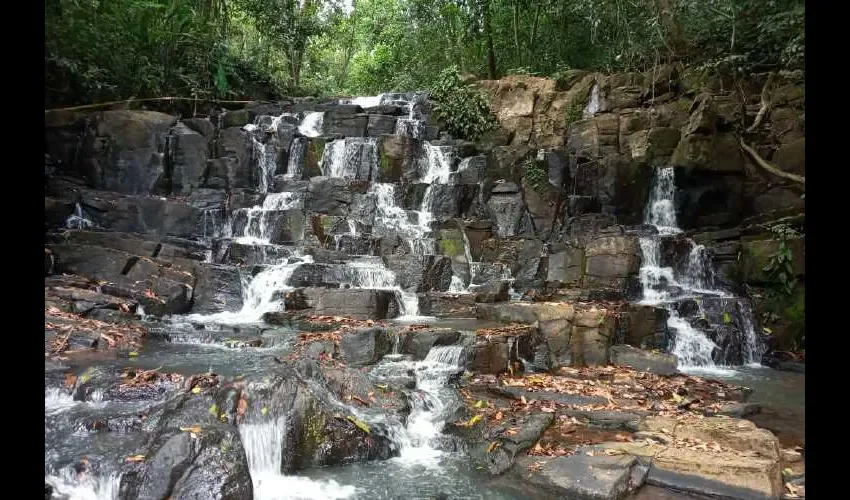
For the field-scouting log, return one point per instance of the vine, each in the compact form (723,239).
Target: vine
(779,267)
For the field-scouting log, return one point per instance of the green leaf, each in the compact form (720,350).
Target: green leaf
(726,317)
(359,424)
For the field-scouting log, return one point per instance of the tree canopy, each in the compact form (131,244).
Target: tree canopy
(98,50)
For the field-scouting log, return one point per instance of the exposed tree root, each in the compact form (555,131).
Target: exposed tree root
(765,102)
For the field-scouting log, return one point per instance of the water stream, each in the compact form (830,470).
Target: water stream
(667,287)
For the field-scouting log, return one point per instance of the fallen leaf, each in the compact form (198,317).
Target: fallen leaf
(132,354)
(474,420)
(196,390)
(213,410)
(263,411)
(359,424)
(498,416)
(480,404)
(195,429)
(135,458)
(493,446)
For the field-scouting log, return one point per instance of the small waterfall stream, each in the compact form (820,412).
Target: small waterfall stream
(264,444)
(664,287)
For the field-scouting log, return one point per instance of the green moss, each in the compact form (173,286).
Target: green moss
(315,430)
(385,162)
(451,247)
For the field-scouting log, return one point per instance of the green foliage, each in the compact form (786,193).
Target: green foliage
(575,112)
(464,110)
(536,175)
(779,267)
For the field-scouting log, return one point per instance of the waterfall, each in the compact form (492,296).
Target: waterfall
(78,219)
(295,163)
(432,403)
(259,223)
(264,444)
(662,287)
(312,124)
(351,158)
(261,294)
(593,103)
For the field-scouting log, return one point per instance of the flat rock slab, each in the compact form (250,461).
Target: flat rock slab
(606,419)
(583,477)
(660,363)
(723,475)
(564,399)
(501,458)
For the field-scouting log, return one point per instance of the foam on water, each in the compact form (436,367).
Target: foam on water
(85,487)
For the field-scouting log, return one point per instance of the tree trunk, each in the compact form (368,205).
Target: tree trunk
(518,55)
(491,52)
(675,35)
(533,32)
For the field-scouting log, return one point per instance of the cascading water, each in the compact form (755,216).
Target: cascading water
(662,286)
(264,444)
(68,484)
(259,219)
(593,103)
(312,124)
(78,220)
(351,158)
(295,163)
(431,402)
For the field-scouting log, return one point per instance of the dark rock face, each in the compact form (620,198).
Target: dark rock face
(358,303)
(421,273)
(365,346)
(625,355)
(183,466)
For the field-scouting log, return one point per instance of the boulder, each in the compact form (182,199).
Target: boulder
(365,346)
(447,304)
(235,143)
(380,124)
(418,342)
(646,326)
(397,158)
(501,458)
(583,477)
(327,195)
(340,122)
(357,303)
(218,288)
(659,363)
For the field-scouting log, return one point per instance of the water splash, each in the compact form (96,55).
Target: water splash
(264,444)
(312,124)
(68,484)
(259,225)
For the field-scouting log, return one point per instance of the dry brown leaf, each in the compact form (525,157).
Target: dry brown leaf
(135,458)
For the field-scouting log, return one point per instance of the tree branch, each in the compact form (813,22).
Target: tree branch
(765,102)
(761,162)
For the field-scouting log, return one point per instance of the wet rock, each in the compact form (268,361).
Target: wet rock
(660,363)
(507,212)
(234,144)
(605,419)
(397,158)
(646,327)
(447,304)
(380,124)
(755,256)
(419,341)
(357,303)
(125,153)
(715,475)
(421,273)
(565,267)
(188,465)
(365,346)
(494,351)
(142,214)
(188,159)
(341,121)
(501,458)
(218,288)
(493,291)
(585,477)
(327,195)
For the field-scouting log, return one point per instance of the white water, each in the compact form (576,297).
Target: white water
(367,101)
(593,104)
(264,445)
(312,124)
(430,404)
(262,294)
(265,154)
(351,158)
(78,220)
(295,163)
(691,346)
(84,487)
(257,229)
